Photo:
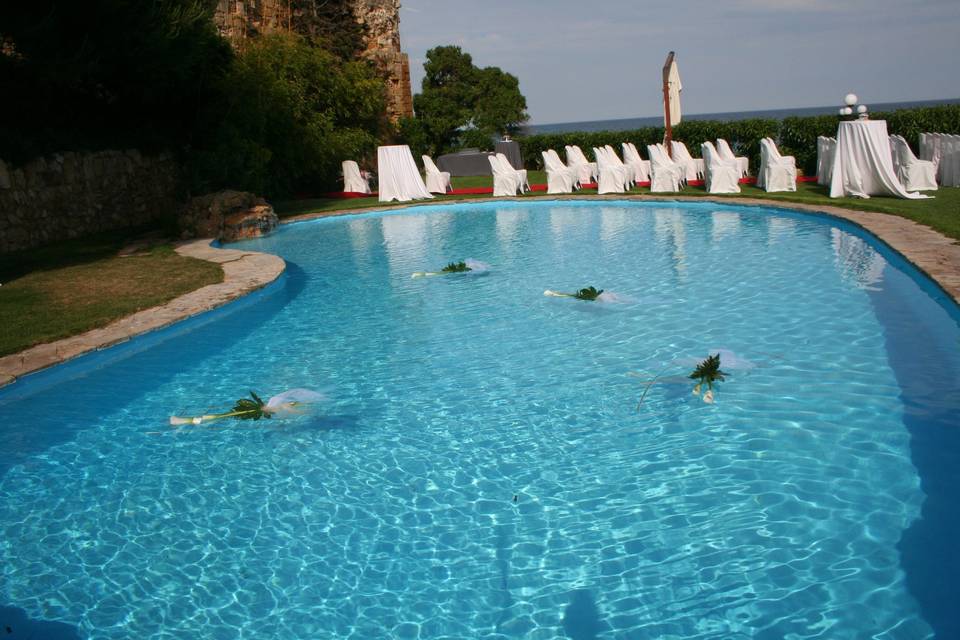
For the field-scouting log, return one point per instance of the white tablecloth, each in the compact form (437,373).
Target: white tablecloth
(398,175)
(863,165)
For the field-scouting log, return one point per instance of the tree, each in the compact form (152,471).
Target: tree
(290,113)
(104,73)
(462,103)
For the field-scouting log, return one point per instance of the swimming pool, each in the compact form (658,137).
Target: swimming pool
(482,468)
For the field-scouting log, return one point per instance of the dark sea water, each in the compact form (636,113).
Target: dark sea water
(626,124)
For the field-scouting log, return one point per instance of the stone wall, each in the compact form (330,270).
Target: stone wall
(69,195)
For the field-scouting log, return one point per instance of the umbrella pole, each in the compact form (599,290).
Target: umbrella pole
(668,126)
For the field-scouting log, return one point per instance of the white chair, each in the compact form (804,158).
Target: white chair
(777,173)
(949,169)
(826,151)
(632,158)
(594,173)
(692,167)
(664,173)
(437,181)
(914,174)
(629,173)
(521,173)
(612,178)
(353,179)
(586,170)
(559,163)
(506,181)
(726,153)
(720,175)
(560,177)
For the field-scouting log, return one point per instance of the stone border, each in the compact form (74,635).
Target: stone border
(933,253)
(243,272)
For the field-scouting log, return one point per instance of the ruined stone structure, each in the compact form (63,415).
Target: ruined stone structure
(238,20)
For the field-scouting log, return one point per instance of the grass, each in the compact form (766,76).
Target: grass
(72,287)
(941,213)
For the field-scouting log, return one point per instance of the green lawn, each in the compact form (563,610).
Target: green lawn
(72,287)
(941,213)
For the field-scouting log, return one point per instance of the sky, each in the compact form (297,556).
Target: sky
(602,59)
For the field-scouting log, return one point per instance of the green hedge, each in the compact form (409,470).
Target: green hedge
(795,136)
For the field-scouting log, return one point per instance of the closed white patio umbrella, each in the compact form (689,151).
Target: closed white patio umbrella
(671,98)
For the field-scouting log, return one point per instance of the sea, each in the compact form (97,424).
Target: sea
(626,124)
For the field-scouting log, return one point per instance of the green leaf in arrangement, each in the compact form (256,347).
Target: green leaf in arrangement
(589,293)
(247,409)
(706,373)
(456,267)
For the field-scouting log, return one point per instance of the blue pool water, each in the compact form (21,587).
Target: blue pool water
(814,499)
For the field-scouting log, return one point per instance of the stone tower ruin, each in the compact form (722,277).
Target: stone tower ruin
(238,20)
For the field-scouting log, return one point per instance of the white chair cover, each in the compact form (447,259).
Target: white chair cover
(437,181)
(721,175)
(353,180)
(691,170)
(612,177)
(629,173)
(398,175)
(560,177)
(914,174)
(777,173)
(726,153)
(640,166)
(506,180)
(594,172)
(826,151)
(863,165)
(521,173)
(585,170)
(664,173)
(948,148)
(557,162)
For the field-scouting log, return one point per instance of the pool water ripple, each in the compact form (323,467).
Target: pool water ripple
(482,469)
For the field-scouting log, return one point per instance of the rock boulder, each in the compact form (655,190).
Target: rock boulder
(227,216)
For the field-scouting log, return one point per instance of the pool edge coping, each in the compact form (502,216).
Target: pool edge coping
(243,272)
(934,254)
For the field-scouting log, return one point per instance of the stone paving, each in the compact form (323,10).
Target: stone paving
(245,271)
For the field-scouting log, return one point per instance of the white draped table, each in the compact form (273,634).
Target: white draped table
(863,164)
(398,176)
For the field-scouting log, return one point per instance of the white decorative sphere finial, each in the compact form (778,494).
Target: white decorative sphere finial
(862,108)
(851,99)
(842,111)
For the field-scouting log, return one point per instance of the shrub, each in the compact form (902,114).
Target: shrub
(796,136)
(290,114)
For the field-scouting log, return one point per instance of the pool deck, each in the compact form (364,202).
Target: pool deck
(245,271)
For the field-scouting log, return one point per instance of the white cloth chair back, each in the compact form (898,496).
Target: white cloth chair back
(437,181)
(681,155)
(560,178)
(721,174)
(398,175)
(505,182)
(632,157)
(914,174)
(826,151)
(629,172)
(664,173)
(726,153)
(777,173)
(353,180)
(613,178)
(521,173)
(585,170)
